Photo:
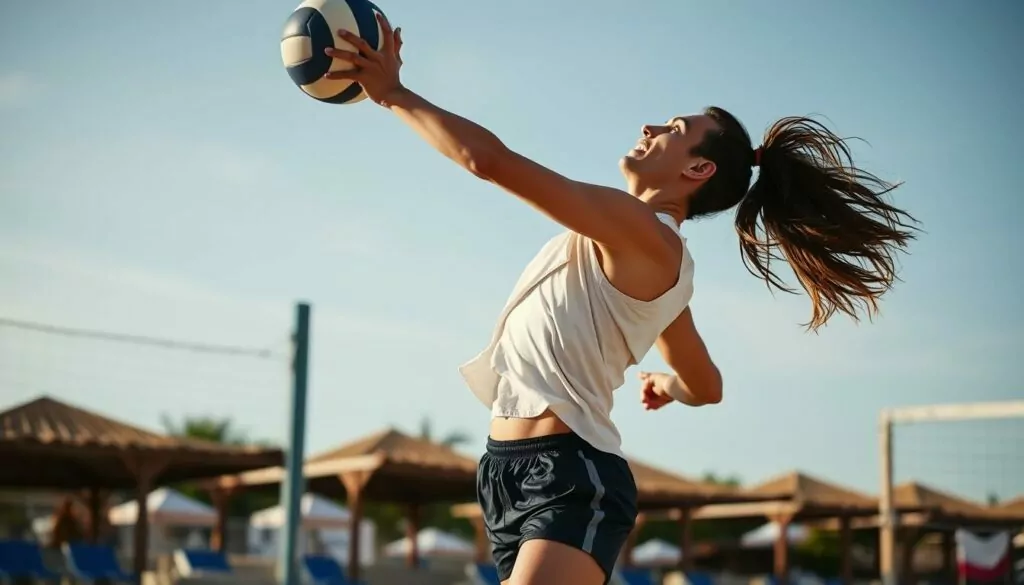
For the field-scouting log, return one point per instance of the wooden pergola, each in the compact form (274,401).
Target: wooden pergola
(387,466)
(1015,507)
(926,511)
(661,494)
(799,497)
(48,444)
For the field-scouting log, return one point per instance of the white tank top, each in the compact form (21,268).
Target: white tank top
(567,336)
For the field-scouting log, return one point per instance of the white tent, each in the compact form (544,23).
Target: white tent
(166,506)
(175,520)
(656,553)
(325,530)
(766,535)
(432,542)
(315,511)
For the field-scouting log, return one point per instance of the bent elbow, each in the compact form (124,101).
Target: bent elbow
(713,395)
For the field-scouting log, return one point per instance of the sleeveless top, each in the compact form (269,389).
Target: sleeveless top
(567,336)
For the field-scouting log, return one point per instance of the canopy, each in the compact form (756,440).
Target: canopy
(316,511)
(395,467)
(166,506)
(46,443)
(432,542)
(656,552)
(767,534)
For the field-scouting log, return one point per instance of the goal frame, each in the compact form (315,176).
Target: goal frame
(888,518)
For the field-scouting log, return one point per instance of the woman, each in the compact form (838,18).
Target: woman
(558,498)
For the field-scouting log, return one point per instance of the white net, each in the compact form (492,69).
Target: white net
(160,384)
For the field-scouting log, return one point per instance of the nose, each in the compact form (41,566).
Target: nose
(647,131)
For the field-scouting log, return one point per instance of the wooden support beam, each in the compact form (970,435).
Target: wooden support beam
(146,468)
(95,502)
(354,482)
(627,550)
(781,564)
(846,550)
(685,540)
(412,531)
(221,498)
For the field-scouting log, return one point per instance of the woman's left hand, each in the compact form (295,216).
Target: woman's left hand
(376,71)
(654,388)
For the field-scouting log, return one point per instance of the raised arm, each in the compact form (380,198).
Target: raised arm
(696,379)
(608,216)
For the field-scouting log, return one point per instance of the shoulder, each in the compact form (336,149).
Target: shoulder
(643,278)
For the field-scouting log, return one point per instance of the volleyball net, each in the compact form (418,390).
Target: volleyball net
(188,387)
(952,490)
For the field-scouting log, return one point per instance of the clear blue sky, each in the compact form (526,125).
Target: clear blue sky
(160,175)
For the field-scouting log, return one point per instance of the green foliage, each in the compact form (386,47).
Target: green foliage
(205,428)
(713,478)
(14,521)
(453,439)
(705,530)
(391,518)
(820,553)
(223,431)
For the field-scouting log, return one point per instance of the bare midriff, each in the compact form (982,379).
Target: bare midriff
(511,429)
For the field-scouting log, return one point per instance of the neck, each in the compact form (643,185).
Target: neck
(661,200)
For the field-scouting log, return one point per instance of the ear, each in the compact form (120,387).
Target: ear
(700,169)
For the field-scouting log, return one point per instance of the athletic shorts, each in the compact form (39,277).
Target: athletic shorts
(555,488)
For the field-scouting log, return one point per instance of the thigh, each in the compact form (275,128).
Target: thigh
(589,508)
(542,562)
(493,497)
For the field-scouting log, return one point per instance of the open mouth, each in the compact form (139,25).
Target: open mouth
(641,147)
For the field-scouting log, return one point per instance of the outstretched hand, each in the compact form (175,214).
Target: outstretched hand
(376,71)
(654,390)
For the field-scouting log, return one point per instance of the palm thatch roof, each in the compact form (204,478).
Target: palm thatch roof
(400,468)
(798,495)
(46,443)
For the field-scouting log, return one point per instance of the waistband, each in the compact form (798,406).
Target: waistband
(536,445)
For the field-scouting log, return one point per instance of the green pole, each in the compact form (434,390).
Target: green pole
(294,483)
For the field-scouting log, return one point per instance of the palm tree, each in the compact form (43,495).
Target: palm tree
(390,517)
(723,480)
(223,431)
(207,428)
(452,439)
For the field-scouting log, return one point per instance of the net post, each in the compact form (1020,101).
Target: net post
(886,514)
(294,484)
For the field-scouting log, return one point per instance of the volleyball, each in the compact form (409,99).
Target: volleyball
(313,27)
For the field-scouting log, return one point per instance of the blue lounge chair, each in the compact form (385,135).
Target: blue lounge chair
(89,563)
(483,574)
(636,576)
(325,570)
(699,578)
(21,559)
(196,562)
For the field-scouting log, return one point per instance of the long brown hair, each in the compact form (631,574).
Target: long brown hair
(810,207)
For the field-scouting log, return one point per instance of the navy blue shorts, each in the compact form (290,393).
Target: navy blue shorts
(555,488)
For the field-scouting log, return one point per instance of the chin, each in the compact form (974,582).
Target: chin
(627,164)
(628,172)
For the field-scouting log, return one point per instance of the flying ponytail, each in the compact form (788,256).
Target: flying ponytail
(809,207)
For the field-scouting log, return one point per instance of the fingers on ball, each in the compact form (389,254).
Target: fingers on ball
(357,41)
(348,56)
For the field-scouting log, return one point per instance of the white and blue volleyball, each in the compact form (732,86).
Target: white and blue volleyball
(313,27)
